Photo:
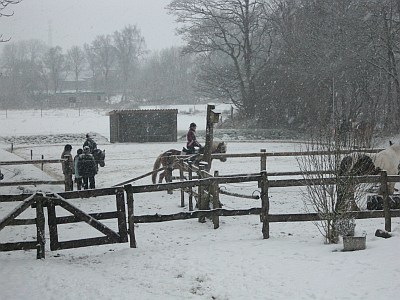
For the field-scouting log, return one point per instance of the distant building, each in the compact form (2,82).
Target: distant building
(153,125)
(77,99)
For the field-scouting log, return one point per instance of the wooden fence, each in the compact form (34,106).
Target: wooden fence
(50,201)
(265,184)
(40,162)
(207,185)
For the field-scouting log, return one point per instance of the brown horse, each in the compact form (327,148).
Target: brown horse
(217,147)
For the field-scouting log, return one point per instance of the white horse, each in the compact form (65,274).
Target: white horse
(368,164)
(365,164)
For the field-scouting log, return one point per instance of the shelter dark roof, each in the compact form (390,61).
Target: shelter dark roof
(137,111)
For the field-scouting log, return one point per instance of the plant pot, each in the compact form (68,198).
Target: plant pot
(353,243)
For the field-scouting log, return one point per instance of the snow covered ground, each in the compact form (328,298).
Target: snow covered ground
(180,259)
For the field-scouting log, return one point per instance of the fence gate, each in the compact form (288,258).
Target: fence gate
(109,236)
(50,201)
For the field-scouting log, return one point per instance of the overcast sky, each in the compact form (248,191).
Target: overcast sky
(74,22)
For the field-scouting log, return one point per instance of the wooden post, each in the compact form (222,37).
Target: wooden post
(131,216)
(52,221)
(264,205)
(385,195)
(216,204)
(200,199)
(120,201)
(40,227)
(168,175)
(190,189)
(42,163)
(31,154)
(263,160)
(212,118)
(182,179)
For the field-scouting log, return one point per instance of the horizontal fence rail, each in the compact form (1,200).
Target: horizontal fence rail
(208,187)
(30,162)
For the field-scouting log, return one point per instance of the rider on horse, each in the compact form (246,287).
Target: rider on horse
(191,140)
(90,143)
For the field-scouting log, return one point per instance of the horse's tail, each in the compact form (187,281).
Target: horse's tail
(156,166)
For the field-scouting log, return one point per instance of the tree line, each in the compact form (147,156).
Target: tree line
(117,64)
(282,63)
(298,63)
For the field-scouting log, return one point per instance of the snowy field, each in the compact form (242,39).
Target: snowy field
(179,259)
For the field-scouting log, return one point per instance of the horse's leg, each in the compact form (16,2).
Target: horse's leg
(161,177)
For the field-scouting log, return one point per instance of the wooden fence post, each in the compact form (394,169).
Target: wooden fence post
(168,175)
(201,199)
(131,216)
(40,227)
(385,195)
(182,179)
(264,205)
(52,221)
(263,160)
(42,163)
(215,195)
(123,233)
(190,189)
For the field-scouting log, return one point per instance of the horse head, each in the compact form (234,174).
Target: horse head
(99,156)
(219,147)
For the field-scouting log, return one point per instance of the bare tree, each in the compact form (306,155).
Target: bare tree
(104,50)
(334,201)
(167,75)
(92,62)
(4,13)
(238,30)
(21,65)
(129,46)
(76,61)
(54,61)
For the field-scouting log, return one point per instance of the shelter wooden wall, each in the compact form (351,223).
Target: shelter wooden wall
(153,125)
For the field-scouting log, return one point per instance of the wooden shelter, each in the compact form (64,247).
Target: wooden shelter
(150,125)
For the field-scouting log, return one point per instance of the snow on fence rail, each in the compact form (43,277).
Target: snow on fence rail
(209,185)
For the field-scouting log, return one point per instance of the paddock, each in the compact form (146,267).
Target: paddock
(285,203)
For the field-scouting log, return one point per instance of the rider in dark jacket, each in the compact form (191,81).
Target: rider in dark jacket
(90,143)
(191,139)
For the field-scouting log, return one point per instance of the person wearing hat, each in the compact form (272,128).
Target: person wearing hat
(90,143)
(191,139)
(68,167)
(78,178)
(87,168)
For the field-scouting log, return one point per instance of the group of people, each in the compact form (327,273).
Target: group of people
(83,166)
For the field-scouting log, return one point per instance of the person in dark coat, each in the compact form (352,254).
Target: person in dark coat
(87,168)
(78,178)
(191,139)
(90,143)
(68,167)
